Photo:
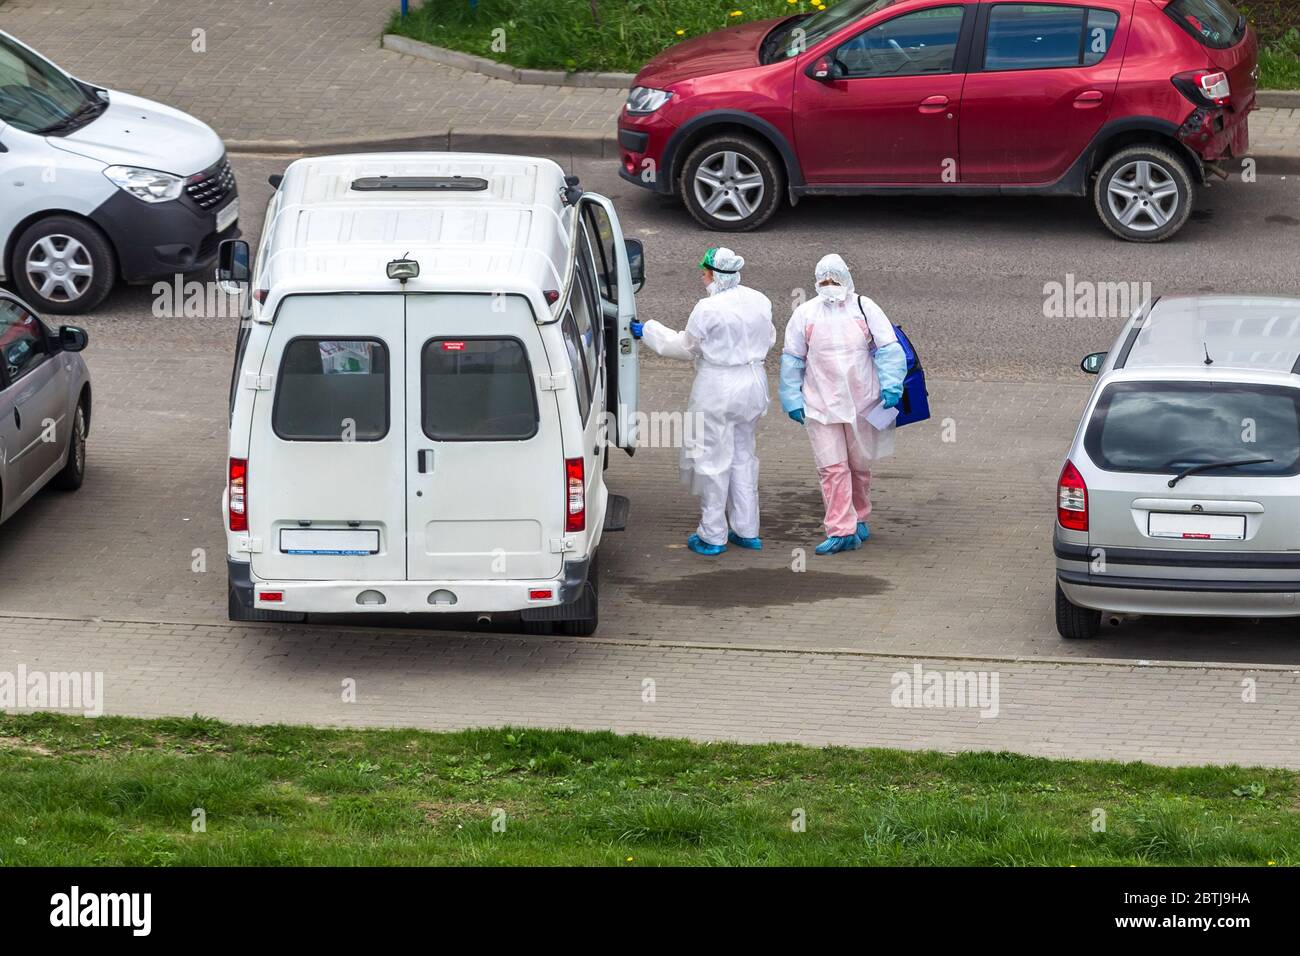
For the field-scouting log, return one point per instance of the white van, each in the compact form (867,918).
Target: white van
(438,344)
(97,185)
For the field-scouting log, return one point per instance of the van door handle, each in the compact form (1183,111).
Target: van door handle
(18,419)
(934,104)
(425,458)
(1086,101)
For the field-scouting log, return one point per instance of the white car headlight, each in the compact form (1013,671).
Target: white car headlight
(642,99)
(147,184)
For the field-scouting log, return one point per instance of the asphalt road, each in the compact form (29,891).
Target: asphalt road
(960,562)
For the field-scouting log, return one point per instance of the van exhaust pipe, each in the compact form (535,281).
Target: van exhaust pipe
(1115,620)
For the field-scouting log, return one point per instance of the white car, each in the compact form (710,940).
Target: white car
(439,350)
(97,185)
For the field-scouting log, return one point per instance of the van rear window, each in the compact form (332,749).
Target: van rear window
(477,389)
(1166,427)
(1216,23)
(332,390)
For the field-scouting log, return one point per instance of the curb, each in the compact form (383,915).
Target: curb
(504,71)
(1279,99)
(471,140)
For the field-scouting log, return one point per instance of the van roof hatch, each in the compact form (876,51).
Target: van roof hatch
(421,183)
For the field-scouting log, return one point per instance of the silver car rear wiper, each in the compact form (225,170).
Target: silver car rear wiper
(1196,469)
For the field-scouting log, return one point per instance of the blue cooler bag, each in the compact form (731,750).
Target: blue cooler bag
(915,403)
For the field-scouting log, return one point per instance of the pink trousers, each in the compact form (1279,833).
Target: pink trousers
(845,470)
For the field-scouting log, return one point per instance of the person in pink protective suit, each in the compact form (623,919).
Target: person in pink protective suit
(842,370)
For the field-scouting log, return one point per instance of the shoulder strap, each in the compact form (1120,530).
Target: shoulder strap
(870,337)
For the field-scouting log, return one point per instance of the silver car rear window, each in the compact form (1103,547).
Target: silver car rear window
(1159,427)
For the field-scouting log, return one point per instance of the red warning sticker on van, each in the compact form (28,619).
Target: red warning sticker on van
(453,346)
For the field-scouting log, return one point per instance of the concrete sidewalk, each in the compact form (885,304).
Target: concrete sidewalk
(310,74)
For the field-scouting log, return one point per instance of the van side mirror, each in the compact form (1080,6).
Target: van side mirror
(635,262)
(234,269)
(73,338)
(275,179)
(1092,363)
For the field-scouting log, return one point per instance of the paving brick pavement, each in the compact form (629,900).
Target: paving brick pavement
(312,71)
(256,674)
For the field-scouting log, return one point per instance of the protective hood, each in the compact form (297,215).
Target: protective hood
(834,268)
(726,266)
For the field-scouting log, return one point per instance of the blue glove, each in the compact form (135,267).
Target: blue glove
(791,387)
(892,396)
(796,414)
(637,328)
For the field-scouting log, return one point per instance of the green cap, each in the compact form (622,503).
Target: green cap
(707,263)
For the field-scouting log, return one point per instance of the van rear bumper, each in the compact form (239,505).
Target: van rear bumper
(405,597)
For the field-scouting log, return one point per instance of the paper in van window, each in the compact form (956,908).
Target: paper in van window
(346,358)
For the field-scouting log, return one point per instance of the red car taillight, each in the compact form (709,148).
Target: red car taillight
(575,517)
(1072,499)
(1205,88)
(237,495)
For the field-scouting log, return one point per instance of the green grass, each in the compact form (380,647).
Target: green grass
(123,791)
(621,35)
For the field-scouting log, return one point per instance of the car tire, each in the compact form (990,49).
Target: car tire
(1075,623)
(74,468)
(587,605)
(59,248)
(1144,194)
(728,160)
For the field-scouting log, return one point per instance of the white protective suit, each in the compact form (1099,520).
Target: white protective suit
(833,345)
(728,335)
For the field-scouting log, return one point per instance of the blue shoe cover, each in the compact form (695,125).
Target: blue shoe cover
(753,544)
(834,545)
(863,531)
(700,546)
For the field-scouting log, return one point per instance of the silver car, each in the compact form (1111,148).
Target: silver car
(1181,493)
(44,405)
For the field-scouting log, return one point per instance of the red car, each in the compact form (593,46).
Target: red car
(1133,102)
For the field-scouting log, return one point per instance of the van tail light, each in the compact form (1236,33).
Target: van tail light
(238,494)
(575,516)
(1205,88)
(1072,499)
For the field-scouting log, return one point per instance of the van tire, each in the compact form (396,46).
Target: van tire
(74,468)
(751,157)
(91,247)
(1166,169)
(238,612)
(1075,623)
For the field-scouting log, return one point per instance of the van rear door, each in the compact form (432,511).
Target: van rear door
(326,482)
(618,305)
(485,459)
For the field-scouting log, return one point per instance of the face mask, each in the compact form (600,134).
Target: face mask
(832,293)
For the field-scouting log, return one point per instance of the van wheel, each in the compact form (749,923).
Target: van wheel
(74,469)
(1144,194)
(1074,622)
(238,612)
(63,265)
(731,183)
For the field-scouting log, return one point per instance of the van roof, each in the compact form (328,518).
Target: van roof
(330,233)
(1252,333)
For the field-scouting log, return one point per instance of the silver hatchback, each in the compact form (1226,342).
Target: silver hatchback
(1181,493)
(44,405)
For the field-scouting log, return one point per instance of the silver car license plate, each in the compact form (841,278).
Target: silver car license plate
(1196,527)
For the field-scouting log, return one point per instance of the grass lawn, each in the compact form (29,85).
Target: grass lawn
(124,791)
(621,35)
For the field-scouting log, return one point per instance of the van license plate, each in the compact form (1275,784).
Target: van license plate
(340,541)
(226,217)
(1196,527)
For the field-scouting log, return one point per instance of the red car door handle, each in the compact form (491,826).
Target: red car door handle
(1089,99)
(934,104)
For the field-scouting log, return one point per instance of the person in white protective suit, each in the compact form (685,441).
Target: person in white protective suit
(727,336)
(840,364)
